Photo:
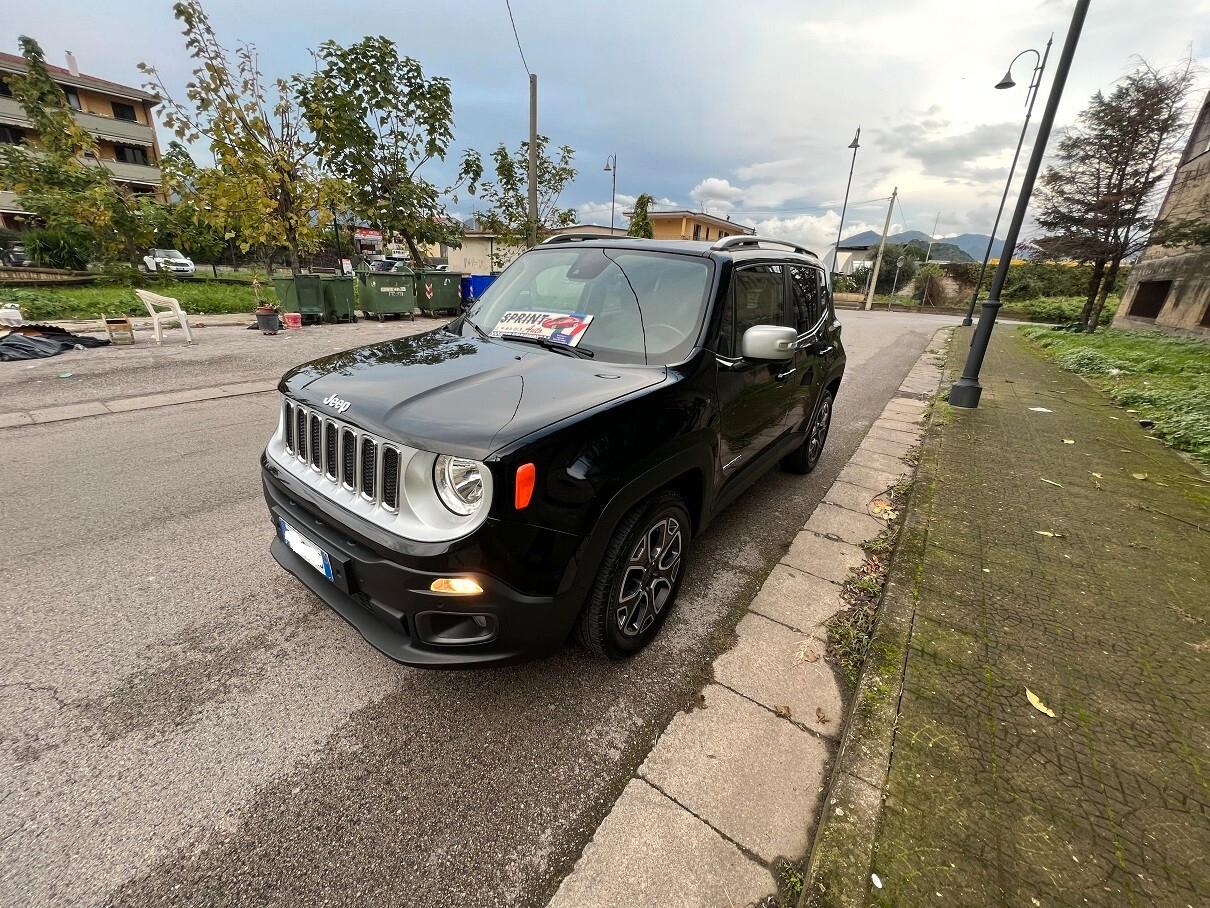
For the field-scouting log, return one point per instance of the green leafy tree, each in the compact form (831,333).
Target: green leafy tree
(266,170)
(58,177)
(379,122)
(508,195)
(640,223)
(1098,200)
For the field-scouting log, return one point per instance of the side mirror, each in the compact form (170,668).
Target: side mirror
(768,342)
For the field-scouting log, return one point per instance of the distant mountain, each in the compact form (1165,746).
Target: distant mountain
(965,247)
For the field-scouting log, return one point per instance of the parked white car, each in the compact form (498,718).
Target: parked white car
(169,261)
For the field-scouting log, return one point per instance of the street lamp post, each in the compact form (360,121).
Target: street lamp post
(1030,96)
(966,391)
(855,144)
(611,166)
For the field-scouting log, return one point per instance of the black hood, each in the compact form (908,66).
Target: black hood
(447,393)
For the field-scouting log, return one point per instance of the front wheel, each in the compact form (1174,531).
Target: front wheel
(806,457)
(639,578)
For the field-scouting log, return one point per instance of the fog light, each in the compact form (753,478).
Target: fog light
(459,586)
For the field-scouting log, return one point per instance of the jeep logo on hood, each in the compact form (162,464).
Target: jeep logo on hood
(336,403)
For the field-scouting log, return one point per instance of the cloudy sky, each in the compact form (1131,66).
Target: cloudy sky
(743,109)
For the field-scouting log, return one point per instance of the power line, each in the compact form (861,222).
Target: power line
(799,210)
(517,36)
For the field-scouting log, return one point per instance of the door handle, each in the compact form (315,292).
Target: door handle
(785,374)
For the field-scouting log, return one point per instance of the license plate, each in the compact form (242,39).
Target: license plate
(305,549)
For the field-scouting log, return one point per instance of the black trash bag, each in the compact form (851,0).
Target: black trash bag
(32,346)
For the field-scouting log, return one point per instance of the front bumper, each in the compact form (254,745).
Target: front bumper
(386,595)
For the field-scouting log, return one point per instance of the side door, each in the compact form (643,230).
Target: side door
(754,396)
(811,363)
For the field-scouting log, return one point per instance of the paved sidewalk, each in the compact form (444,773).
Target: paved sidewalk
(733,785)
(1052,548)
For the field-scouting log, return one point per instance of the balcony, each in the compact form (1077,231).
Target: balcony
(101,127)
(134,173)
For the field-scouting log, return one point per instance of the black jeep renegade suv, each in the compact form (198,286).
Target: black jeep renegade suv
(541,464)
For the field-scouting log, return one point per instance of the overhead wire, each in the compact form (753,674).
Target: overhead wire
(513,21)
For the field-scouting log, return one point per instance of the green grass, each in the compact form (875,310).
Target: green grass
(1060,310)
(117,298)
(1163,378)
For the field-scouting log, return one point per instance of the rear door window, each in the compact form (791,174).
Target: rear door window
(805,293)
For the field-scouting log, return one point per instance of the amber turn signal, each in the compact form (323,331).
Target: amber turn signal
(525,486)
(459,586)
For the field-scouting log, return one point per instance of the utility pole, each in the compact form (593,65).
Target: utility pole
(932,238)
(869,297)
(533,159)
(966,391)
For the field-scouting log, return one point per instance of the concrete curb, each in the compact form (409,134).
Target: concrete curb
(741,778)
(128,404)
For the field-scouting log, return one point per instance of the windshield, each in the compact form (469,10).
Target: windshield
(622,305)
(167,254)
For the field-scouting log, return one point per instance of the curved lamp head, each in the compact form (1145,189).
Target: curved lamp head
(1007,81)
(856,143)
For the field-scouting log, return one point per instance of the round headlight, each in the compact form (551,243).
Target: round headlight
(459,483)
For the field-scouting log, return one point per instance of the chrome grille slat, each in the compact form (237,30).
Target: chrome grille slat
(315,443)
(288,425)
(369,468)
(331,461)
(390,478)
(300,432)
(348,456)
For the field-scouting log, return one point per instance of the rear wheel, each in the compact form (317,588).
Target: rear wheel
(638,580)
(806,457)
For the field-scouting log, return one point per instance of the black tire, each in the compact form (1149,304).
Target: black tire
(638,580)
(805,458)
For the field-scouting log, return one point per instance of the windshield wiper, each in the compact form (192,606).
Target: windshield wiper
(483,334)
(548,344)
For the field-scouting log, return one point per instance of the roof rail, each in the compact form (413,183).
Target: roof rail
(741,240)
(576,237)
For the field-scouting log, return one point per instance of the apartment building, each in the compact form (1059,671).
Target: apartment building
(118,117)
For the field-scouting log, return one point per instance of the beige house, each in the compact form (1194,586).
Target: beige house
(1169,286)
(118,117)
(691,225)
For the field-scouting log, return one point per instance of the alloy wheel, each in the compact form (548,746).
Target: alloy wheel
(649,576)
(819,430)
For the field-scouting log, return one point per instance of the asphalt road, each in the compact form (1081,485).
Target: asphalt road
(181,723)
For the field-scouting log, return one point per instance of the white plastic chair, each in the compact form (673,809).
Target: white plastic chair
(174,313)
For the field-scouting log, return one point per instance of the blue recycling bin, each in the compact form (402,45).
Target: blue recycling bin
(474,285)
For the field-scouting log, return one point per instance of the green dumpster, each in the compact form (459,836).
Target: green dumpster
(286,297)
(302,293)
(438,291)
(386,293)
(338,298)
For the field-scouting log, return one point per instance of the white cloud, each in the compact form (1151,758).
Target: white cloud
(598,212)
(716,193)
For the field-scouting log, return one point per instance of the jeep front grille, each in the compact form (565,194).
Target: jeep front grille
(343,454)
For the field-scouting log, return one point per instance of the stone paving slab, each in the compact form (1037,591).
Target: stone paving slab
(797,599)
(884,446)
(855,498)
(875,461)
(784,671)
(737,766)
(883,431)
(846,525)
(874,480)
(670,858)
(823,557)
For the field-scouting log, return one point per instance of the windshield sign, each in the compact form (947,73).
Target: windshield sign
(558,327)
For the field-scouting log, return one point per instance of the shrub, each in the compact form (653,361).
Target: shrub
(60,248)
